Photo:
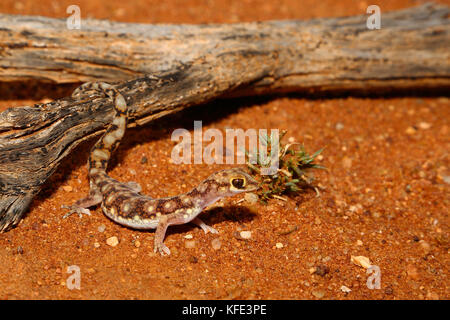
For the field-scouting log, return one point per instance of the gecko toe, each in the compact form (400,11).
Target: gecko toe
(207,229)
(162,249)
(74,209)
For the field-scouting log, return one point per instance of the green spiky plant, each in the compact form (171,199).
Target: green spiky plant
(293,168)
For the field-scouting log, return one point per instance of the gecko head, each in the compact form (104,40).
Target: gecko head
(228,183)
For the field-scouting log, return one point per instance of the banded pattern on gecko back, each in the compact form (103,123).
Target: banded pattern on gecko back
(123,202)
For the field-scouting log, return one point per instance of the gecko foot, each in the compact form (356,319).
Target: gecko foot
(75,209)
(162,249)
(204,226)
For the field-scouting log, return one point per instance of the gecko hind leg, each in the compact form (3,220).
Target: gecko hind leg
(81,206)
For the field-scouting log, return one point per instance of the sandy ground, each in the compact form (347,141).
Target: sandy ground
(385,194)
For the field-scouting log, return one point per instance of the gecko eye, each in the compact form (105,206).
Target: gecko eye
(238,183)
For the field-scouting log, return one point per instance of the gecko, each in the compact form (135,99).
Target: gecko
(123,202)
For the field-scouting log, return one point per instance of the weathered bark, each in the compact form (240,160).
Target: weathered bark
(190,65)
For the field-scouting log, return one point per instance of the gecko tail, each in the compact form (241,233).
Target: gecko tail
(105,146)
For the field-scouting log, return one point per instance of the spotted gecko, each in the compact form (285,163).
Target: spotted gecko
(123,202)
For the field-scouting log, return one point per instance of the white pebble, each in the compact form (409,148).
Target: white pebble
(216,244)
(346,289)
(424,125)
(190,244)
(245,234)
(112,241)
(361,261)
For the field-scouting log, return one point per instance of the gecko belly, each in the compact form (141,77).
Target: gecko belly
(135,223)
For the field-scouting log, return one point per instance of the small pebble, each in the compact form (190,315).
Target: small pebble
(216,244)
(446,179)
(356,208)
(432,296)
(319,294)
(101,228)
(388,290)
(347,162)
(412,272)
(410,131)
(361,261)
(376,214)
(279,245)
(188,236)
(339,126)
(424,125)
(190,244)
(112,241)
(346,289)
(321,270)
(245,234)
(137,243)
(425,246)
(359,243)
(193,259)
(67,188)
(96,245)
(144,160)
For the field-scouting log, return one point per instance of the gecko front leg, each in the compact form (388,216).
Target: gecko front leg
(160,233)
(165,221)
(204,226)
